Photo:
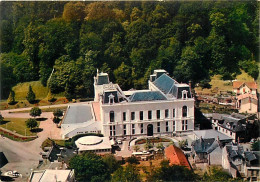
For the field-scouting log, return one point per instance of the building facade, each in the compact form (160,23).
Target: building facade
(165,108)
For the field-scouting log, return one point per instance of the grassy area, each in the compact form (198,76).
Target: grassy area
(44,109)
(21,90)
(17,125)
(210,108)
(217,84)
(153,140)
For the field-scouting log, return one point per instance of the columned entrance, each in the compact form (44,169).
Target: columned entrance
(149,130)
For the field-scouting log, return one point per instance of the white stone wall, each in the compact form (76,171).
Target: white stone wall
(136,107)
(227,132)
(248,107)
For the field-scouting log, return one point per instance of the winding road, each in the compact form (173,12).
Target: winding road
(24,156)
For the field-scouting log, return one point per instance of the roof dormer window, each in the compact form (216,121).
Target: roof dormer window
(111,99)
(184,94)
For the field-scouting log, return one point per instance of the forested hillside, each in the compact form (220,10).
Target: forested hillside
(63,43)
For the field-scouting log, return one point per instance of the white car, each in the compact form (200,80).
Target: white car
(12,174)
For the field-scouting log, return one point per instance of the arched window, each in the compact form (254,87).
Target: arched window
(112,116)
(184,111)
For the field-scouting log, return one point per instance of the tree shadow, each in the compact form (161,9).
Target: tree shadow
(6,178)
(35,102)
(13,103)
(41,119)
(4,122)
(36,130)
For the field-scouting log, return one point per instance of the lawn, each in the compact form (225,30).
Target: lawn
(210,108)
(52,109)
(217,84)
(17,125)
(21,90)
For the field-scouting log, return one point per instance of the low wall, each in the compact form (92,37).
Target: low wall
(15,135)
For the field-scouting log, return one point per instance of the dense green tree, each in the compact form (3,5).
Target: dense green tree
(217,174)
(123,76)
(7,79)
(57,113)
(111,162)
(181,37)
(89,167)
(30,95)
(35,111)
(56,120)
(31,123)
(168,172)
(11,98)
(6,35)
(74,11)
(129,173)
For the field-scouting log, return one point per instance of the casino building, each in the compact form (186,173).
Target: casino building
(165,108)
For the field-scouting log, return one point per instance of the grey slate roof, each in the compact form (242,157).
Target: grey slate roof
(164,83)
(78,114)
(106,96)
(178,88)
(212,134)
(205,145)
(147,96)
(102,79)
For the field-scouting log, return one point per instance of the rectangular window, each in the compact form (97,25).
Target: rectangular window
(166,113)
(158,114)
(167,126)
(173,113)
(141,115)
(133,129)
(184,125)
(132,115)
(173,126)
(112,130)
(124,129)
(158,127)
(142,128)
(149,114)
(124,116)
(112,116)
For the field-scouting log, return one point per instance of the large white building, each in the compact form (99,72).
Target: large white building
(166,107)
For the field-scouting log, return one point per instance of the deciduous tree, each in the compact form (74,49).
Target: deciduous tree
(89,167)
(31,123)
(35,111)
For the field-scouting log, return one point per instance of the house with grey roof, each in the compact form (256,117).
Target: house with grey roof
(207,150)
(240,163)
(165,108)
(234,125)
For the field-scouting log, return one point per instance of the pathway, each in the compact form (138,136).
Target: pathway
(24,156)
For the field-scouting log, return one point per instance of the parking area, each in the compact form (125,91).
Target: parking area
(24,156)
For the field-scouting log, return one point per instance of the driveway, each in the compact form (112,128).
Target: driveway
(24,156)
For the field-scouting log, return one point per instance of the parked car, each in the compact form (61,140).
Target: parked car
(119,142)
(12,174)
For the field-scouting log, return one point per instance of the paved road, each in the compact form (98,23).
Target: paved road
(24,156)
(42,107)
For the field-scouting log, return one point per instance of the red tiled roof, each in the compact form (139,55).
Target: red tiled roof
(176,156)
(237,84)
(96,109)
(243,96)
